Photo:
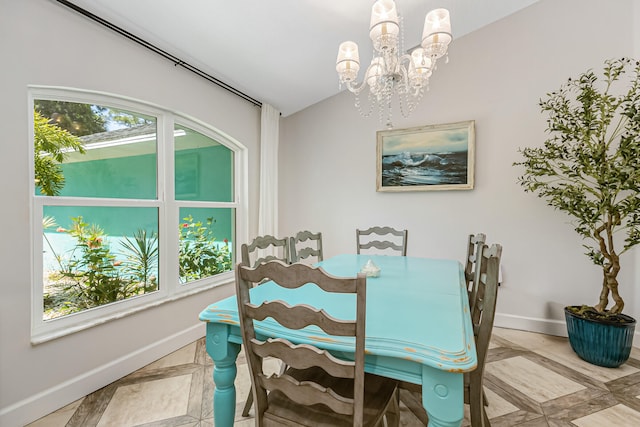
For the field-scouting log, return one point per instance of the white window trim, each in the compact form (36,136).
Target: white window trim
(170,289)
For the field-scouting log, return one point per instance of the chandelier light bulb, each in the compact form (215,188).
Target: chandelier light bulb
(436,34)
(384,28)
(374,74)
(348,61)
(392,72)
(420,68)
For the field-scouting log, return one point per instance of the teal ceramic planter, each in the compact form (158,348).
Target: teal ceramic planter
(600,342)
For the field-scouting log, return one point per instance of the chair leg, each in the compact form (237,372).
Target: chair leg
(413,402)
(248,404)
(249,401)
(485,417)
(392,415)
(478,414)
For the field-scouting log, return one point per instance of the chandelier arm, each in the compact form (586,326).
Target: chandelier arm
(405,58)
(355,87)
(404,64)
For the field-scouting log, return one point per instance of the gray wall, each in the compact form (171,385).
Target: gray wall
(495,76)
(44,43)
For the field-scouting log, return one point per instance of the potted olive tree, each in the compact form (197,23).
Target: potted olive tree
(590,169)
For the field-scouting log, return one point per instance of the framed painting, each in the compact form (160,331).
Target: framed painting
(427,158)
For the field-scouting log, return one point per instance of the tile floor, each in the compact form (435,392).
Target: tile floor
(531,380)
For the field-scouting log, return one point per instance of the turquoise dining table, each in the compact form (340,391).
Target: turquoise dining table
(418,330)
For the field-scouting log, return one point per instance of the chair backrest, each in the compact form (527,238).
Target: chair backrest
(395,240)
(252,256)
(484,307)
(302,356)
(471,270)
(306,244)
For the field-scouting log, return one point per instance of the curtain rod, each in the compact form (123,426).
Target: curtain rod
(176,61)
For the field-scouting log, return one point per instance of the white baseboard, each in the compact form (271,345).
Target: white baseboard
(531,324)
(54,398)
(543,326)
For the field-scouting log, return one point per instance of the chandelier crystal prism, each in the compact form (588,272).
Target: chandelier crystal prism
(392,72)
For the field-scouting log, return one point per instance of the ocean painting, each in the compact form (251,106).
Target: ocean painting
(437,157)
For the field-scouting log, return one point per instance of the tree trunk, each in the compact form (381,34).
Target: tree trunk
(612,284)
(610,268)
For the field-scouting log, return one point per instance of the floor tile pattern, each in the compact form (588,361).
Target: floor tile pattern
(531,380)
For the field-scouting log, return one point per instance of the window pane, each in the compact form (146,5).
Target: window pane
(94,256)
(203,167)
(88,150)
(205,242)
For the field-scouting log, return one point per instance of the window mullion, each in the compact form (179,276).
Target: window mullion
(169,213)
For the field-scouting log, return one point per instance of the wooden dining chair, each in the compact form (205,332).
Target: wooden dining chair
(317,388)
(252,256)
(395,240)
(306,244)
(471,270)
(482,317)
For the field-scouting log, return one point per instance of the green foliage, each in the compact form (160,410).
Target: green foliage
(81,119)
(50,146)
(142,259)
(124,118)
(90,276)
(590,165)
(199,255)
(76,118)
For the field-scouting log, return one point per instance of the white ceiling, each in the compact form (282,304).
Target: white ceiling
(281,52)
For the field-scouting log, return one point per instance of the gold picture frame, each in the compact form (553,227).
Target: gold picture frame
(426,158)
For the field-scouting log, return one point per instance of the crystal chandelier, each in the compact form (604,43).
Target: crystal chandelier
(390,71)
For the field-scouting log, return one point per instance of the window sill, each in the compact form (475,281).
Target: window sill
(58,328)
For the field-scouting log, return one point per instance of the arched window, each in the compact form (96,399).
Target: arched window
(132,205)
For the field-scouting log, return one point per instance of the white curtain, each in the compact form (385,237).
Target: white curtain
(269,136)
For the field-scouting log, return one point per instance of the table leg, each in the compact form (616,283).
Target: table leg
(224,356)
(443,397)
